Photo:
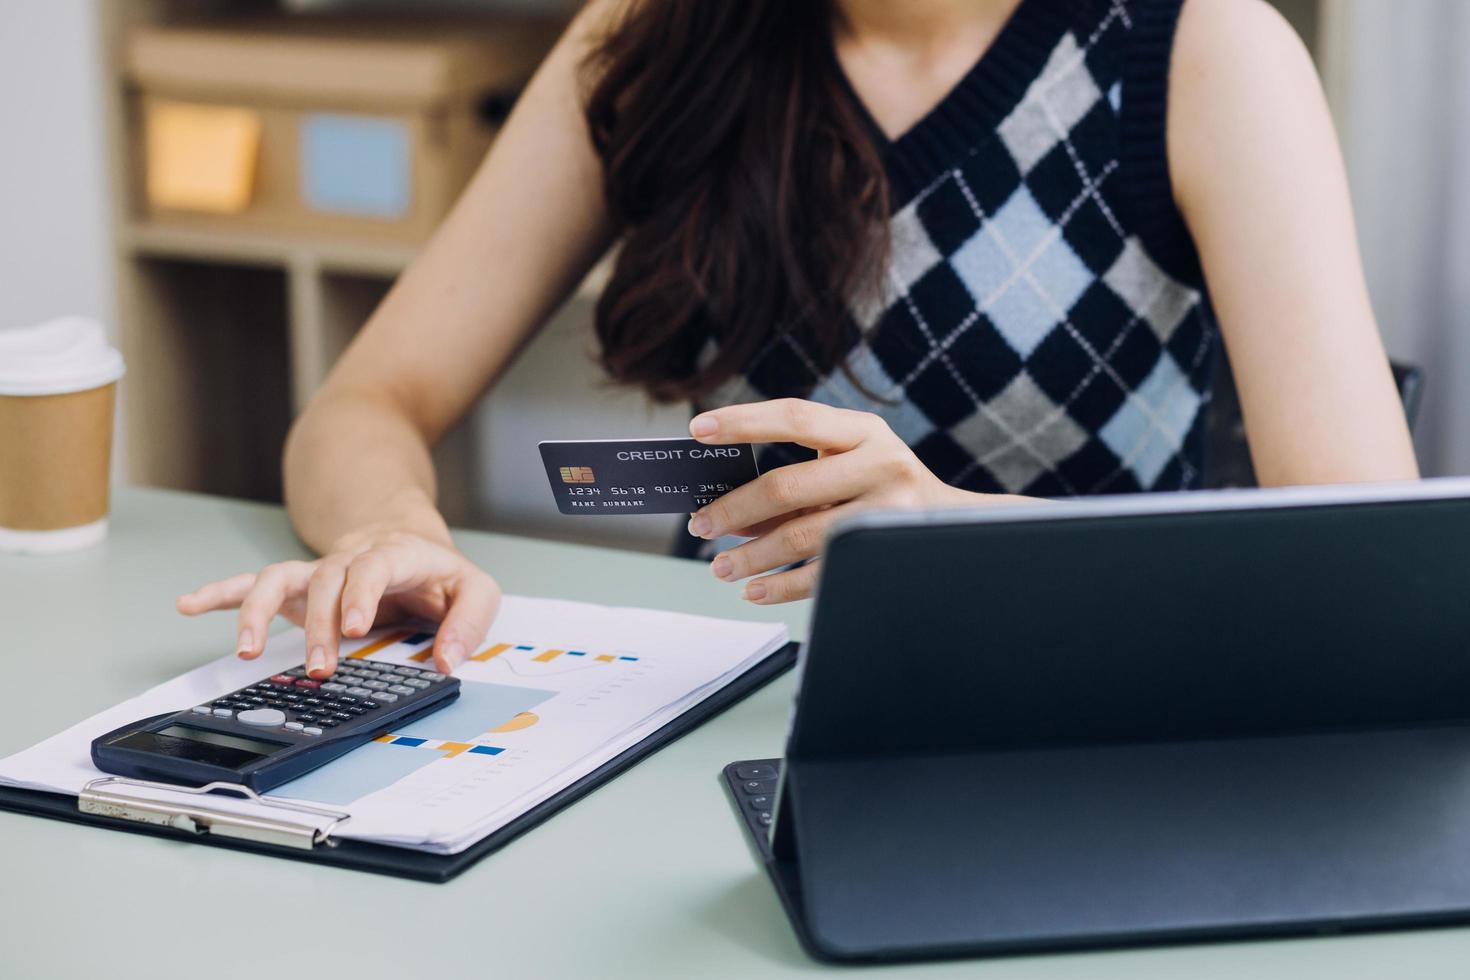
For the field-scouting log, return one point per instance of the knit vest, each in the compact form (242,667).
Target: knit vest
(1043,326)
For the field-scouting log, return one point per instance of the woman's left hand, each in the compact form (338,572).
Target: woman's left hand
(860,464)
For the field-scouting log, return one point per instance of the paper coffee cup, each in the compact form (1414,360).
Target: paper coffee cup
(58,383)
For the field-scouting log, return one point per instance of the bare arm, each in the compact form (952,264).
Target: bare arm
(1260,180)
(525,231)
(360,484)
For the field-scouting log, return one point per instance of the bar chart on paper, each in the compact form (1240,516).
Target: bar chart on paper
(545,706)
(495,720)
(465,728)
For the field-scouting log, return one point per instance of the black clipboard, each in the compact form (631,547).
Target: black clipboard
(402,862)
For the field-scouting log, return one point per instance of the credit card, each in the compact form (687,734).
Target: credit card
(643,476)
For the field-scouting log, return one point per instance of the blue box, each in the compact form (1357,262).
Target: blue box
(356,165)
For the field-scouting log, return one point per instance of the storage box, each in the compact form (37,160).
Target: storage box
(321,127)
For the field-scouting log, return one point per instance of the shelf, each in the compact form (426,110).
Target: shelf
(161,240)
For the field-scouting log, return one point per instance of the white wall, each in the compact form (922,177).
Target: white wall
(54,232)
(1398,79)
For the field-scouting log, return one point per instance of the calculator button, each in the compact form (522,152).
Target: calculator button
(432,676)
(375,685)
(325,723)
(294,726)
(312,731)
(262,717)
(415,682)
(400,689)
(202,709)
(759,787)
(309,684)
(370,705)
(254,699)
(756,772)
(283,679)
(359,691)
(385,696)
(406,671)
(346,699)
(342,716)
(296,672)
(759,802)
(311,701)
(334,686)
(223,713)
(765,819)
(355,710)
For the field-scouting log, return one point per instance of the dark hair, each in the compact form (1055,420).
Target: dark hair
(746,182)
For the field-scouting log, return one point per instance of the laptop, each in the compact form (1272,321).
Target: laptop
(1128,720)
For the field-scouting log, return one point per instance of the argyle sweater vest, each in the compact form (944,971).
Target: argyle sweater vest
(1043,326)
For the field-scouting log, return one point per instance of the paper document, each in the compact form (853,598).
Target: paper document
(556,690)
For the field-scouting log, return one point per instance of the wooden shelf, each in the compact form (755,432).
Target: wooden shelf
(155,238)
(228,332)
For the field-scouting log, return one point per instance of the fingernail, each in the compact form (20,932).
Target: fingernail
(352,622)
(703,425)
(316,660)
(453,654)
(699,526)
(755,591)
(722,567)
(246,642)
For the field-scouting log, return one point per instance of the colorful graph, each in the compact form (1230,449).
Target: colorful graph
(519,651)
(450,749)
(527,654)
(523,720)
(457,731)
(407,638)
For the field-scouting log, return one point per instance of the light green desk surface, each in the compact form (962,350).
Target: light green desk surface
(648,877)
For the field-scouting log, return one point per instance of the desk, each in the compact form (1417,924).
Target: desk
(648,877)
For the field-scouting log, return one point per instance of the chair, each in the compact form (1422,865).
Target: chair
(1227,454)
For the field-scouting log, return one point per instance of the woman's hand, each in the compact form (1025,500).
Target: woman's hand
(369,577)
(860,464)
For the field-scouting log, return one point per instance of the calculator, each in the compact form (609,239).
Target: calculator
(271,732)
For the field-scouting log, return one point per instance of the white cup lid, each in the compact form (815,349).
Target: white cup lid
(57,358)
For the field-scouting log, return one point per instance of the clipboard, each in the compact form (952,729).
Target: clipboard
(402,862)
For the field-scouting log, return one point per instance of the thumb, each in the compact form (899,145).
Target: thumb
(472,608)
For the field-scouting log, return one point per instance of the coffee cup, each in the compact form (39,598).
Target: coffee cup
(58,385)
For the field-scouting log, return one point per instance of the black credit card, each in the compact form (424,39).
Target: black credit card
(643,476)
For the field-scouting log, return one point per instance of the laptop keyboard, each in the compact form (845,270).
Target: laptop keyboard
(753,788)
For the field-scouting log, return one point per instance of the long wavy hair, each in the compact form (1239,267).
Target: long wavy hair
(746,182)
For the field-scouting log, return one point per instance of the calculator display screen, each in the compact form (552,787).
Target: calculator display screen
(198,745)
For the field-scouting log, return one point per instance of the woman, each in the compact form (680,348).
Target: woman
(937,253)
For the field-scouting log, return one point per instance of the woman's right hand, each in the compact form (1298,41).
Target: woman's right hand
(367,578)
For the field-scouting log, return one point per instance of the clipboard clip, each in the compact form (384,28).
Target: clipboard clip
(200,820)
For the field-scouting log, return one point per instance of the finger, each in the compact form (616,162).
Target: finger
(783,586)
(782,491)
(368,577)
(795,540)
(766,527)
(262,603)
(471,611)
(806,423)
(323,616)
(224,594)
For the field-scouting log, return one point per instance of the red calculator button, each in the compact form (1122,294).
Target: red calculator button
(283,679)
(303,682)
